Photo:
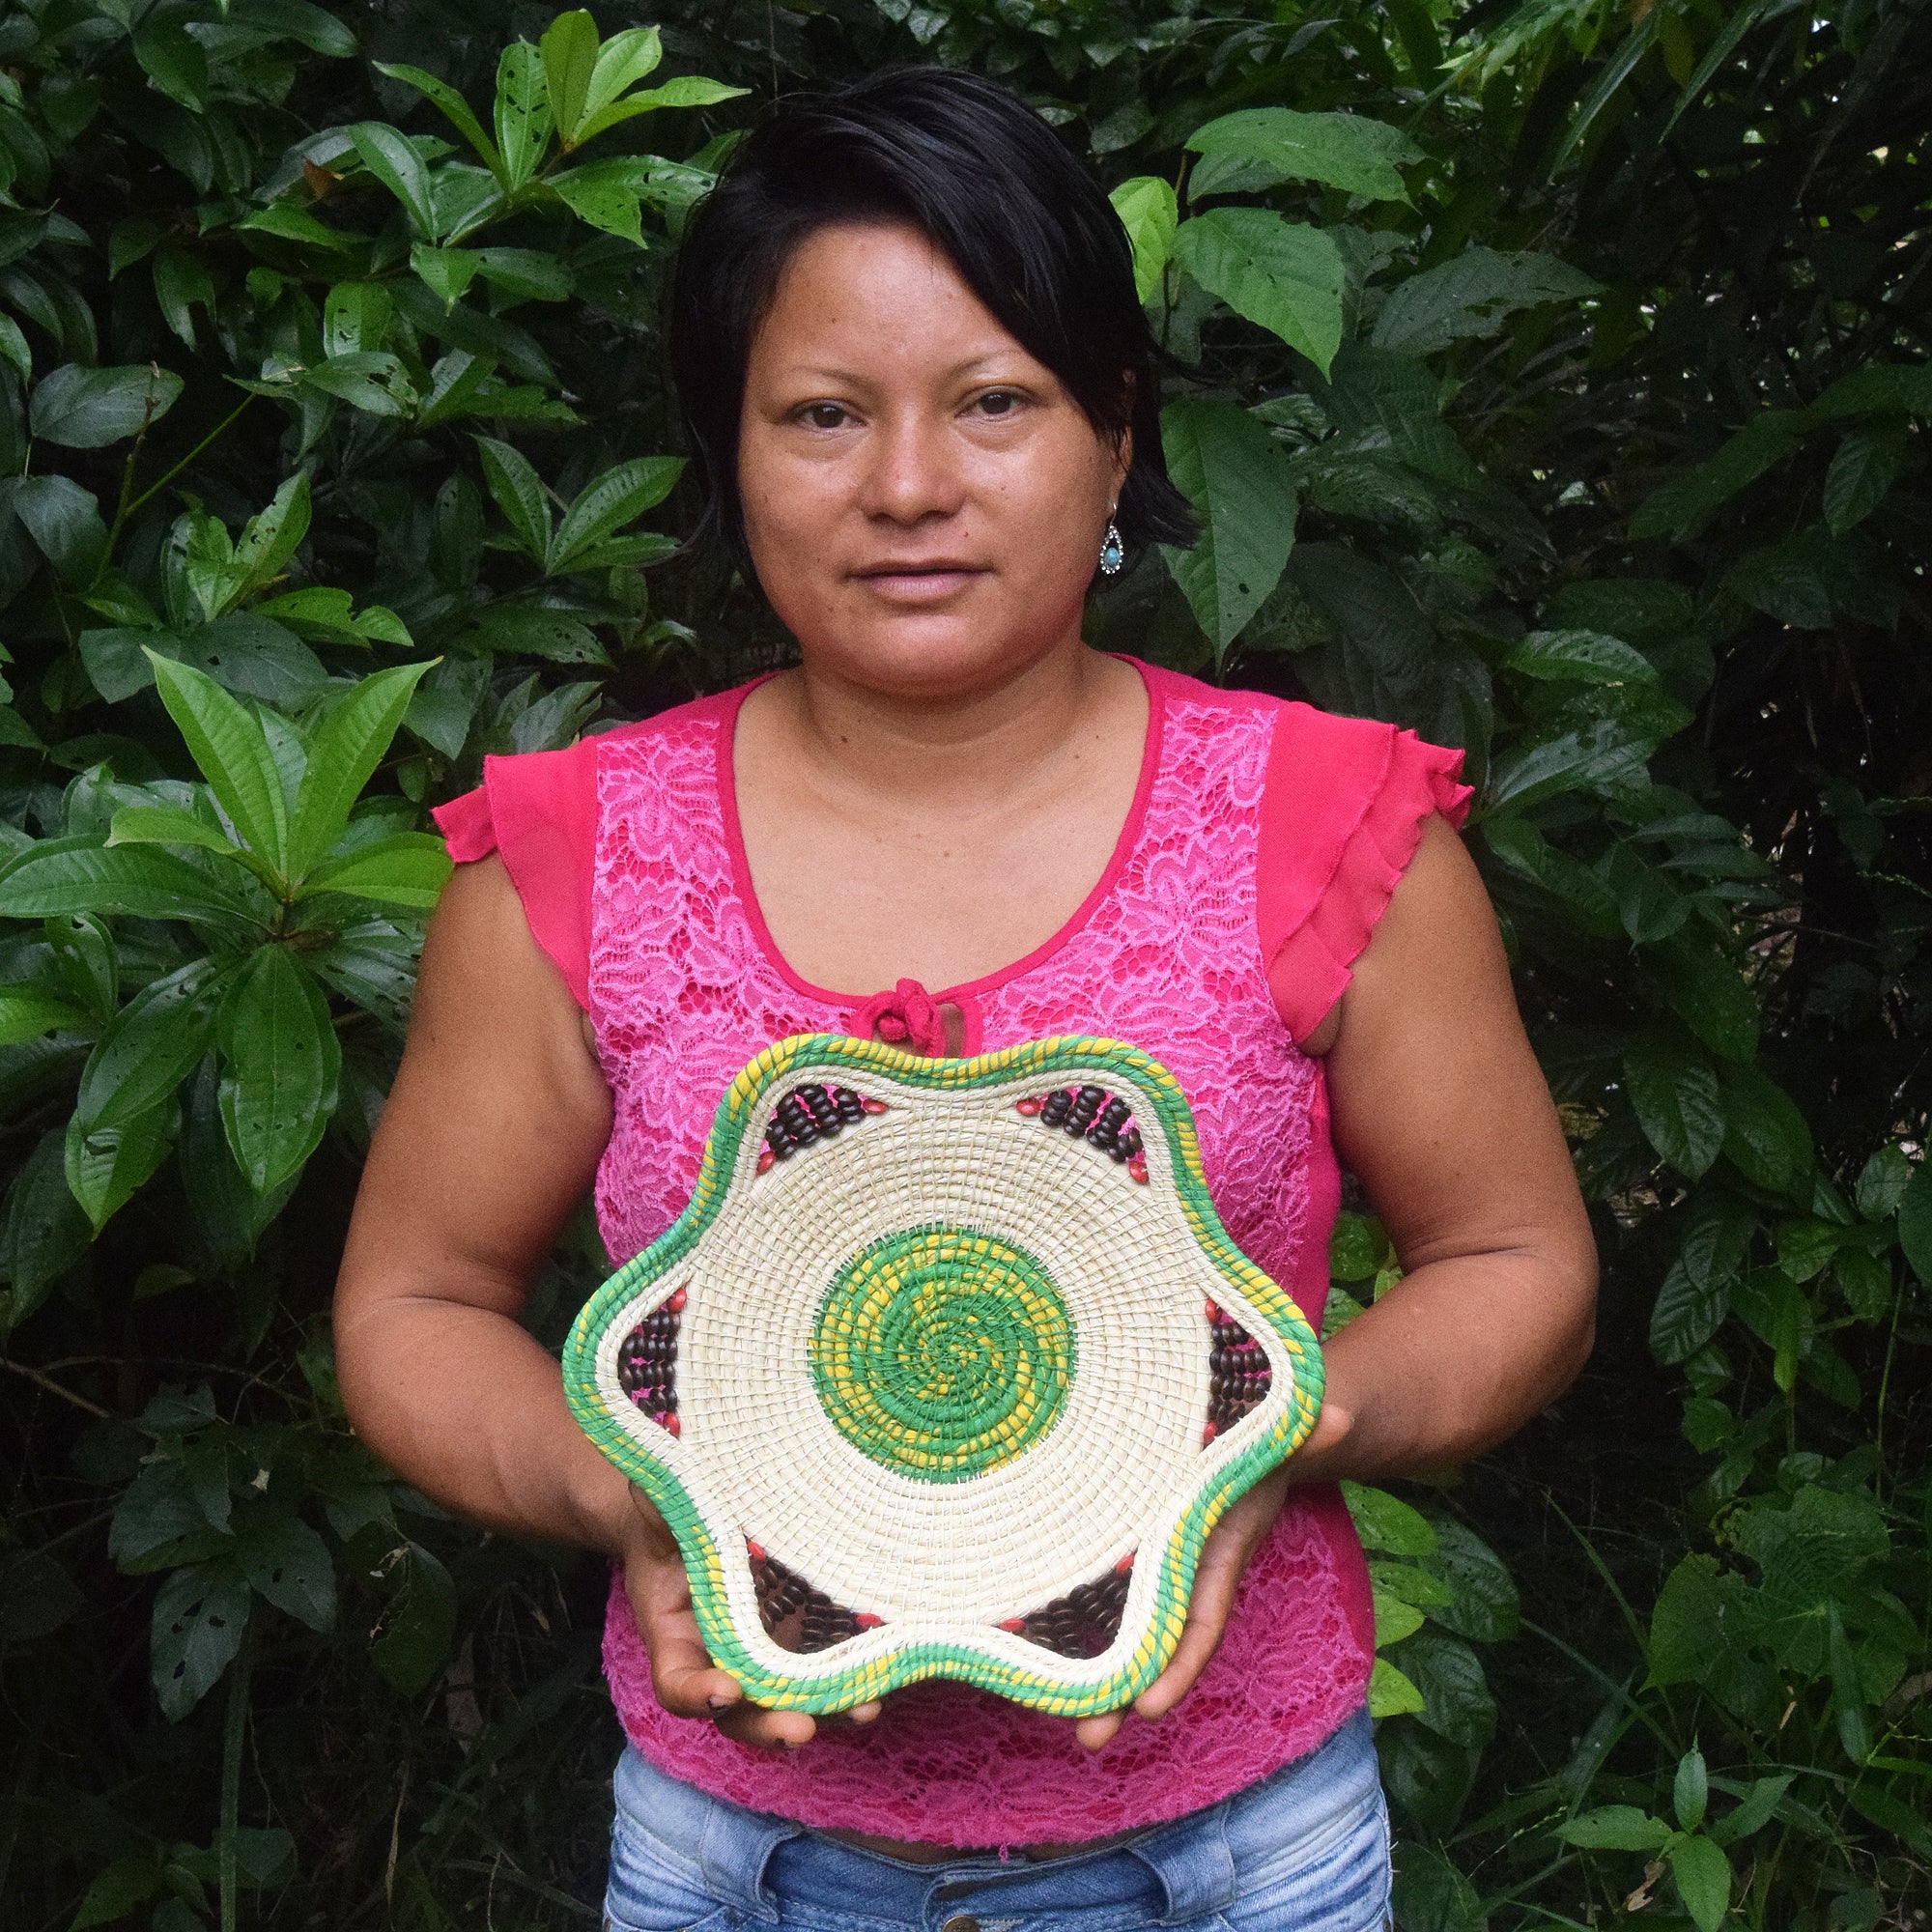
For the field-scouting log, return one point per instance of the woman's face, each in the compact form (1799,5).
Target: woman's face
(924,501)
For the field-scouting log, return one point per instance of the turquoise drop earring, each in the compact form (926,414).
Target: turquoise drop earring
(1111,552)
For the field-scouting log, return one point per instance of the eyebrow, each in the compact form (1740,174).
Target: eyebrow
(815,373)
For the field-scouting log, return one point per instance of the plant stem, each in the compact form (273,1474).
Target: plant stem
(127,509)
(235,1727)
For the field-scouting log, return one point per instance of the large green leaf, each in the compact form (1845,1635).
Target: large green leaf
(85,409)
(151,1046)
(200,1614)
(1614,1828)
(608,194)
(1344,151)
(616,499)
(1237,477)
(1766,1137)
(453,105)
(622,61)
(59,877)
(342,756)
(1150,215)
(1688,1626)
(518,492)
(1862,473)
(1473,294)
(688,90)
(1914,1222)
(1281,274)
(227,741)
(46,1230)
(1703,1875)
(1580,657)
(569,49)
(281,1062)
(523,111)
(1675,1095)
(406,868)
(392,158)
(107,1164)
(285,1562)
(245,652)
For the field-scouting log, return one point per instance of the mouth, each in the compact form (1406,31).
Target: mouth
(918,580)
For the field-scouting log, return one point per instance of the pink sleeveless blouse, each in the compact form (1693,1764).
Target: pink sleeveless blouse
(1264,842)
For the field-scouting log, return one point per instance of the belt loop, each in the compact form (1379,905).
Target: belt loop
(736,1848)
(1193,1863)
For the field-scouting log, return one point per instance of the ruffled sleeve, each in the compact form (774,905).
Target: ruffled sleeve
(1346,802)
(539,811)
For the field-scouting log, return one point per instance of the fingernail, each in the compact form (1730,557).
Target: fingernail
(719,1703)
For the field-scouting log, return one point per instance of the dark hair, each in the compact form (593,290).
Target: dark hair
(992,187)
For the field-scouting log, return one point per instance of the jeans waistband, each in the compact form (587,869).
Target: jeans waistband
(1168,1874)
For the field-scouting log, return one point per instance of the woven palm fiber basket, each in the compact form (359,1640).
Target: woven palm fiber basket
(947,1371)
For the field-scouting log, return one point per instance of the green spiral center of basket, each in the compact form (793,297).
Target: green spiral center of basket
(942,1354)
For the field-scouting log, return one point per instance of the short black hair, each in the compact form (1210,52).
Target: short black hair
(994,190)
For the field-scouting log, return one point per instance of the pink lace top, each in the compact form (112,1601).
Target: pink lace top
(1263,844)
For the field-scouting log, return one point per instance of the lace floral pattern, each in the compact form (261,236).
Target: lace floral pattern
(683,992)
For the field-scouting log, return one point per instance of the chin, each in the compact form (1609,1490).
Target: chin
(935,656)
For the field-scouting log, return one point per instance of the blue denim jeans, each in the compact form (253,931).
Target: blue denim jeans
(1305,1850)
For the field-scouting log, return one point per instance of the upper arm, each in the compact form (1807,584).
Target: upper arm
(496,1123)
(1438,1102)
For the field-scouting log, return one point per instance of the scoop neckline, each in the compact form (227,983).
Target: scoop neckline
(1129,838)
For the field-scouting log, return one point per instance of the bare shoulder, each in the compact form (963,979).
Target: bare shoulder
(1438,932)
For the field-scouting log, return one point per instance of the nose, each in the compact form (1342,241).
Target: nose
(913,471)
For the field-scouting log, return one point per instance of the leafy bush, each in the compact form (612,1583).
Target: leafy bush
(1552,380)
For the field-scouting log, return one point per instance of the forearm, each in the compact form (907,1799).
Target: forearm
(464,1404)
(1459,1356)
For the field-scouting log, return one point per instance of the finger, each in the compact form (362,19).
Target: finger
(687,1683)
(1332,1428)
(766,1730)
(1094,1732)
(1215,1581)
(865,1713)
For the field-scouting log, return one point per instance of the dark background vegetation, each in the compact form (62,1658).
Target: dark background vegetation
(1595,394)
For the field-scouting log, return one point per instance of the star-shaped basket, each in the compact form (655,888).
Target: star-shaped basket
(947,1371)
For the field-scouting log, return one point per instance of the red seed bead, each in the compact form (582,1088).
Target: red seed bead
(1029,1107)
(865,1620)
(767,1160)
(1125,1565)
(1213,1311)
(668,1420)
(872,1106)
(1208,1433)
(1137,1168)
(676,1305)
(1017,1625)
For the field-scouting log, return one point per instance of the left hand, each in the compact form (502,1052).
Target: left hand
(1224,1560)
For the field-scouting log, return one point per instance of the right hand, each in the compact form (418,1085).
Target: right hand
(687,1683)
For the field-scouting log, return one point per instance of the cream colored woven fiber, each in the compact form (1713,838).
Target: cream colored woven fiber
(949,1367)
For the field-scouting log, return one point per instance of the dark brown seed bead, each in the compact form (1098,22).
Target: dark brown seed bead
(1106,1130)
(1055,1108)
(1131,1143)
(1085,1104)
(824,1109)
(797,1123)
(779,1141)
(850,1107)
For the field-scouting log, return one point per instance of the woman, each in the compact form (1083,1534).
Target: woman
(922,394)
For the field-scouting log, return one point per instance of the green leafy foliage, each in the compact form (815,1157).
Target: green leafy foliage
(1551,380)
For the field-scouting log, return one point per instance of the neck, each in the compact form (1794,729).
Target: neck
(949,749)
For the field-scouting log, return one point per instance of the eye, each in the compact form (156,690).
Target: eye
(823,415)
(999,402)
